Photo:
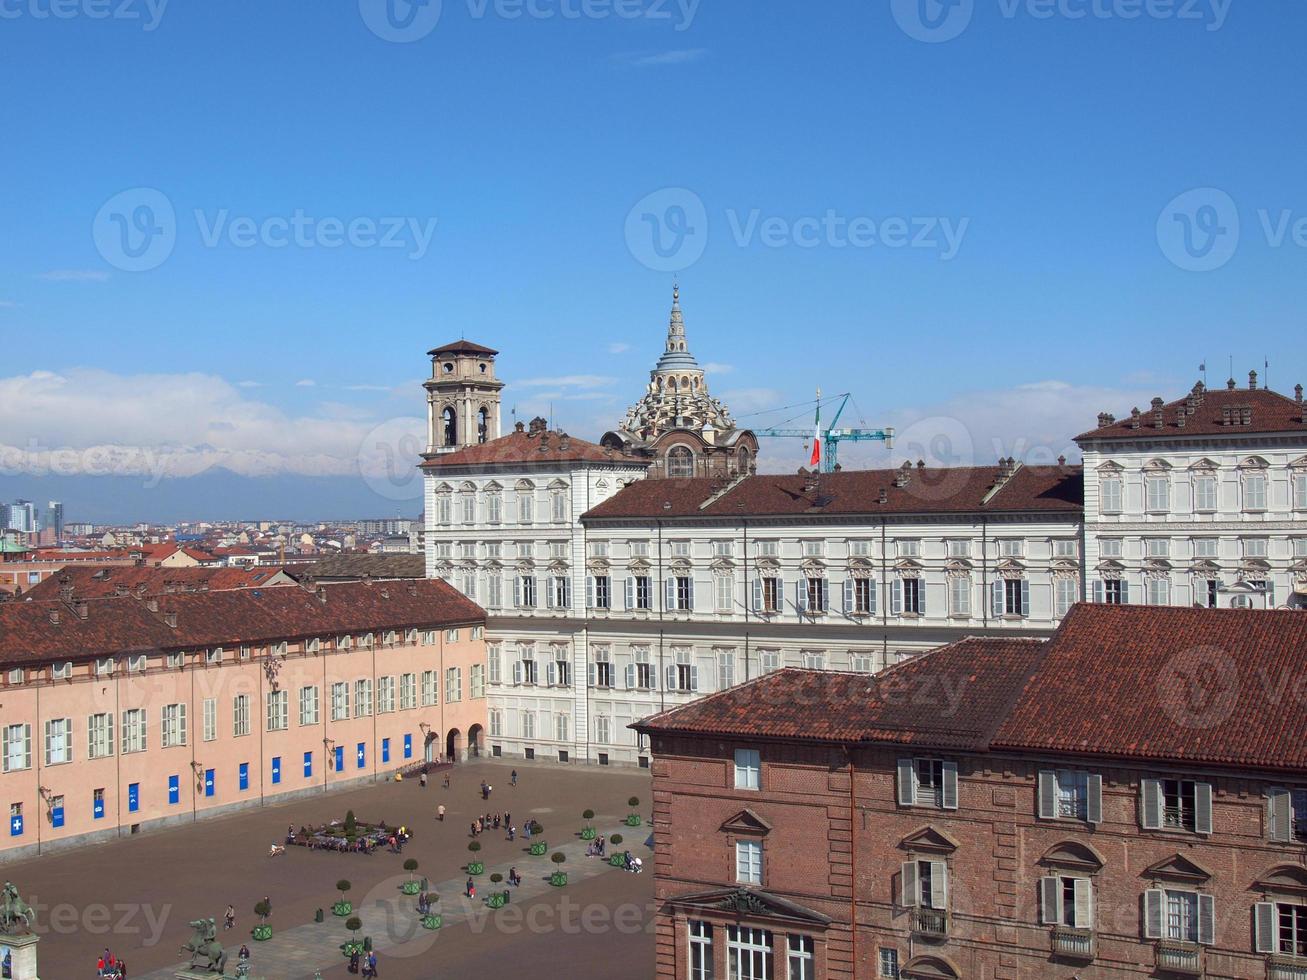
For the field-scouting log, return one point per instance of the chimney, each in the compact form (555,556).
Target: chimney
(54,616)
(170,618)
(1229,384)
(1297,397)
(563,442)
(1134,418)
(884,496)
(1105,419)
(903,475)
(1181,417)
(519,427)
(412,588)
(82,609)
(1061,461)
(1225,414)
(544,440)
(1245,415)
(152,605)
(1252,380)
(921,464)
(1158,421)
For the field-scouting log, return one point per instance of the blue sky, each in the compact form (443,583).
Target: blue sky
(1037,159)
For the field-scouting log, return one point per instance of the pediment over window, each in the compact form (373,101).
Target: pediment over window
(1204,464)
(929,839)
(737,902)
(1282,878)
(1111,565)
(640,566)
(1206,568)
(1073,854)
(929,968)
(1157,466)
(1254,463)
(1110,467)
(1299,463)
(1178,868)
(959,565)
(746,822)
(908,565)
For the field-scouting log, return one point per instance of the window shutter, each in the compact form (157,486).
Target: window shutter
(757,595)
(567,592)
(1150,804)
(1098,591)
(694,677)
(1025,597)
(1094,805)
(670,593)
(922,592)
(1154,905)
(896,597)
(801,593)
(630,677)
(1203,808)
(1279,815)
(1047,794)
(671,677)
(551,674)
(911,887)
(1084,904)
(517,672)
(1125,592)
(848,597)
(950,801)
(996,604)
(1264,926)
(630,593)
(1270,594)
(1050,901)
(589,592)
(871,595)
(517,591)
(691,584)
(590,675)
(1206,920)
(825,595)
(907,783)
(938,885)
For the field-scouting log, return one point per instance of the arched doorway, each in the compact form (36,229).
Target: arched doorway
(429,748)
(453,745)
(475,739)
(450,419)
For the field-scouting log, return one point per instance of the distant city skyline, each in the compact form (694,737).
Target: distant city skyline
(240,298)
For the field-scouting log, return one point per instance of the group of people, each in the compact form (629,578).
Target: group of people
(367,961)
(487,821)
(331,837)
(109,966)
(597,847)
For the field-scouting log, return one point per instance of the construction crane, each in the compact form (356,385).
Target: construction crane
(830,438)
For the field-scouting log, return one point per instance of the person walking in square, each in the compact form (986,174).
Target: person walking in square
(440,813)
(229,917)
(422,779)
(513,779)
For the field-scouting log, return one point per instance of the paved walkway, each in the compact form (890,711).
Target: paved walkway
(391,918)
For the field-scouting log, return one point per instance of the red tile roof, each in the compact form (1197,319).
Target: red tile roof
(1203,687)
(1213,686)
(523,447)
(1212,411)
(974,489)
(95,582)
(28,634)
(952,697)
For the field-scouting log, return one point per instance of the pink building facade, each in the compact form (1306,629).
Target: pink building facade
(121,715)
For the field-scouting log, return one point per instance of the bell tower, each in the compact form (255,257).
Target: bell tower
(462,397)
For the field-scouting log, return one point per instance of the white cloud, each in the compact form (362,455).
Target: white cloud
(90,422)
(567,381)
(657,59)
(249,384)
(618,347)
(368,388)
(306,383)
(74,275)
(712,367)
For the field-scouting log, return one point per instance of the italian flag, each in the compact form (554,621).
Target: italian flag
(816,439)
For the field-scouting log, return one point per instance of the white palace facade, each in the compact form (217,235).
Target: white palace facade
(613,591)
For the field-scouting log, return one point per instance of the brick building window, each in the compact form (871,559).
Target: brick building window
(601,671)
(748,862)
(1066,901)
(701,954)
(639,593)
(748,953)
(860,596)
(1179,915)
(928,782)
(599,592)
(888,961)
(907,597)
(800,958)
(1070,795)
(813,595)
(1176,804)
(1281,928)
(748,769)
(767,594)
(1286,814)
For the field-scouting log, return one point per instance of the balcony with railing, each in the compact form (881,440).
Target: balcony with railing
(930,922)
(1071,943)
(1180,959)
(1286,968)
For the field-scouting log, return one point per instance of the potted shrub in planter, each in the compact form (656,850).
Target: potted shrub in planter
(433,920)
(634,819)
(410,887)
(541,846)
(559,876)
(496,898)
(616,860)
(342,907)
(475,867)
(262,931)
(588,832)
(353,944)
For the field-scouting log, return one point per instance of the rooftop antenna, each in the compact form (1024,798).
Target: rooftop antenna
(1266,372)
(1203,367)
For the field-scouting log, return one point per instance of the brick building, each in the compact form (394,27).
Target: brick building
(1126,798)
(125,713)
